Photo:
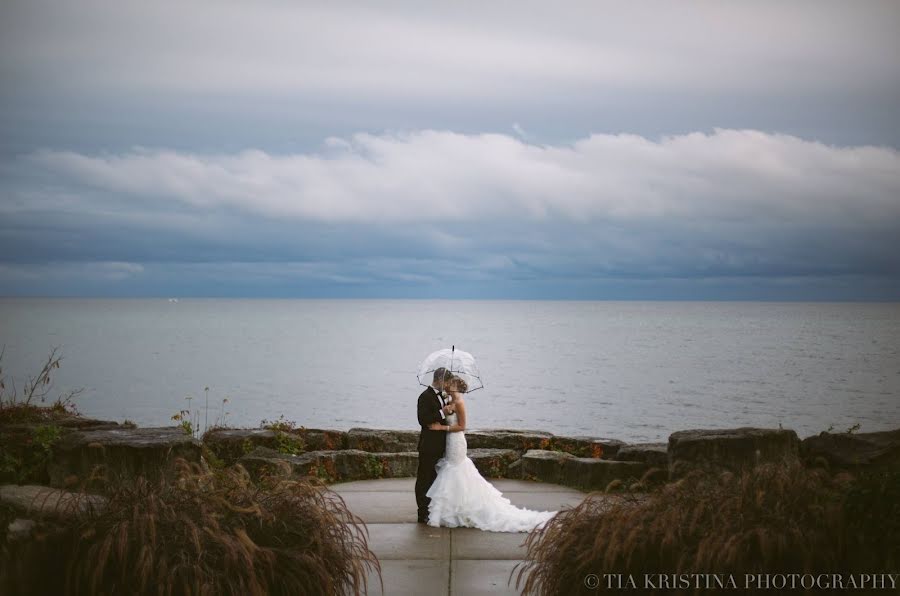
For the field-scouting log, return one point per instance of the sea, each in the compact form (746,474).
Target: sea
(635,371)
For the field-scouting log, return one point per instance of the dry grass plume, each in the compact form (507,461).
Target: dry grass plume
(773,519)
(204,534)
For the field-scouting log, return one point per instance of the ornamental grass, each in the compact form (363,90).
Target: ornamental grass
(769,520)
(202,533)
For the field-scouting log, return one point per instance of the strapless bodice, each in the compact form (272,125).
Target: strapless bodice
(456,442)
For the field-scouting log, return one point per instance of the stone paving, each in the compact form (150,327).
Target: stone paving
(418,559)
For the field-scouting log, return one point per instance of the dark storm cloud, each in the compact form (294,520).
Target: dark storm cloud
(424,207)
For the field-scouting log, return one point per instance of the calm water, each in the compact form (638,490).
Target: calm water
(630,370)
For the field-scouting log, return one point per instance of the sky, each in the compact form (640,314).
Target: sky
(501,150)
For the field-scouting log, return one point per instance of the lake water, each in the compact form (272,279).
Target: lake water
(630,370)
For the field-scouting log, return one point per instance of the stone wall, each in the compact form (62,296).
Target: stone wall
(91,449)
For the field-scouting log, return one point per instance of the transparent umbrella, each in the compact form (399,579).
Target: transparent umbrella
(456,362)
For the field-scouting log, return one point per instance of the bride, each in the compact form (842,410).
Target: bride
(460,496)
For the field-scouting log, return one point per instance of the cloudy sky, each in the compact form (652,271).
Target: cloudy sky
(573,150)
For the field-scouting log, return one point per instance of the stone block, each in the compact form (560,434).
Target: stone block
(583,446)
(589,473)
(543,465)
(733,449)
(382,441)
(120,453)
(655,454)
(332,466)
(493,463)
(41,501)
(521,440)
(879,450)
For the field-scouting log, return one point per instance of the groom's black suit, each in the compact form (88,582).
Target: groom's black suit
(432,444)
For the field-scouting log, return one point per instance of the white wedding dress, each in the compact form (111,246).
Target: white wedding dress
(461,497)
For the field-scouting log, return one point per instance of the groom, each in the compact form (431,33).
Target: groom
(431,408)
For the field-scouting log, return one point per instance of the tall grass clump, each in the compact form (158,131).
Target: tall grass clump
(29,403)
(774,519)
(206,533)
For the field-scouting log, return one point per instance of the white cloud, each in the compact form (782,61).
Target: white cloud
(727,177)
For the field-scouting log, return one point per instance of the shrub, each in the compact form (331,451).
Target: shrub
(288,444)
(31,422)
(772,519)
(205,533)
(25,451)
(286,441)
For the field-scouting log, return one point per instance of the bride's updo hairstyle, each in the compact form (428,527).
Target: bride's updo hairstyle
(461,385)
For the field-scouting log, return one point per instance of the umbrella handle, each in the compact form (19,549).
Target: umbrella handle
(452,352)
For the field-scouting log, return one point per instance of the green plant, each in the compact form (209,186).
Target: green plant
(373,467)
(189,419)
(321,472)
(184,419)
(286,439)
(27,452)
(214,461)
(282,424)
(288,444)
(45,436)
(10,467)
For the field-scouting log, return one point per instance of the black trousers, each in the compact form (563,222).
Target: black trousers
(425,476)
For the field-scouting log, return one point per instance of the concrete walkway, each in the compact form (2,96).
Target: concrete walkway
(418,559)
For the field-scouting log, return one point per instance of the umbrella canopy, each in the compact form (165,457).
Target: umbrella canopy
(456,362)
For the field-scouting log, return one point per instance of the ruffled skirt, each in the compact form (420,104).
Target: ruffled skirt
(461,497)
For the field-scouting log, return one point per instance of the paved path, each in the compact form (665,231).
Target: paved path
(418,559)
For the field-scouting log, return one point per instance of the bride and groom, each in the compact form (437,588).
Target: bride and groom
(449,489)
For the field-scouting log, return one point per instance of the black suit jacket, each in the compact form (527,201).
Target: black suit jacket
(429,411)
